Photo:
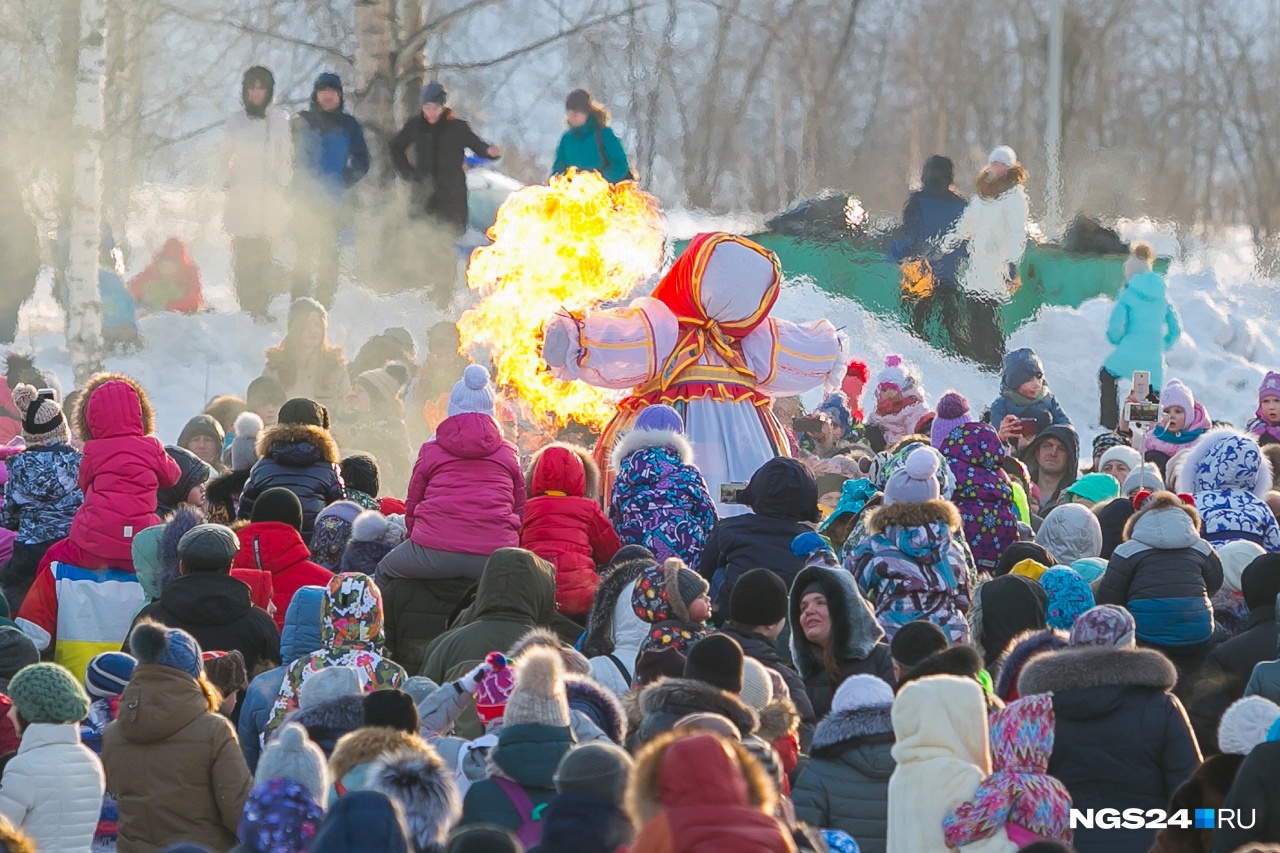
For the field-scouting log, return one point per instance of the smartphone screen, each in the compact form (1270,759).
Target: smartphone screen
(1028,427)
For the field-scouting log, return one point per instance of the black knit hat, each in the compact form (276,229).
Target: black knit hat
(579,101)
(662,663)
(278,504)
(759,598)
(392,709)
(716,660)
(360,472)
(1019,551)
(915,641)
(305,412)
(1260,581)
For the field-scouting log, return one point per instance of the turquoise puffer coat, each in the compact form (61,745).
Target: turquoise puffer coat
(1144,326)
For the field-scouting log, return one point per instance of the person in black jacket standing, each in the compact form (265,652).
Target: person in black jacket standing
(439,141)
(210,604)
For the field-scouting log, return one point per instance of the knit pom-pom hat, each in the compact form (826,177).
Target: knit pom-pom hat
(472,394)
(952,411)
(539,696)
(152,643)
(290,754)
(495,688)
(916,480)
(42,419)
(108,674)
(1176,393)
(896,373)
(1270,386)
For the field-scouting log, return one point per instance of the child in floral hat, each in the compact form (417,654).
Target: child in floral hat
(676,601)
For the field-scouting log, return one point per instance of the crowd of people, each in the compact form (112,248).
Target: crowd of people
(930,626)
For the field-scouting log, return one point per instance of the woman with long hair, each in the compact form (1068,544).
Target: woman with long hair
(589,144)
(304,363)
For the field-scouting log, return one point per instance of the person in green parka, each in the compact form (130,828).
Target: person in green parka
(589,144)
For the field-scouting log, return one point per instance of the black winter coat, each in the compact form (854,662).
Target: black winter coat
(216,610)
(764,650)
(436,174)
(1112,517)
(1256,788)
(302,459)
(1227,670)
(418,611)
(1121,740)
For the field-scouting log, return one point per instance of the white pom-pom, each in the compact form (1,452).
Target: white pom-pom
(475,377)
(922,464)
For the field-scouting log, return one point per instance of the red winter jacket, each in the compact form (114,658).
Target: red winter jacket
(275,547)
(123,466)
(565,527)
(180,290)
(467,491)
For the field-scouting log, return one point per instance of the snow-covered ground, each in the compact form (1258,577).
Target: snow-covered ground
(1229,342)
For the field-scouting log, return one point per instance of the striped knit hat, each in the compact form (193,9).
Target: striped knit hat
(108,673)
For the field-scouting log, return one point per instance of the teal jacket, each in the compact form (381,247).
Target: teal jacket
(1144,326)
(580,147)
(528,755)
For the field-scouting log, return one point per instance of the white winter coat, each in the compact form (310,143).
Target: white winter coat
(52,789)
(258,154)
(996,231)
(629,634)
(941,751)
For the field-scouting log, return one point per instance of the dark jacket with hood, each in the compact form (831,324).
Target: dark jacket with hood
(856,636)
(438,181)
(516,592)
(1113,517)
(418,612)
(1002,609)
(783,496)
(1256,788)
(301,458)
(1164,574)
(215,609)
(1229,667)
(330,153)
(930,212)
(1067,435)
(527,754)
(845,784)
(668,700)
(765,650)
(581,823)
(1120,740)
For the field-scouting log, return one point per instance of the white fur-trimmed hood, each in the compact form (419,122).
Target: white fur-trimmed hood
(1208,446)
(639,439)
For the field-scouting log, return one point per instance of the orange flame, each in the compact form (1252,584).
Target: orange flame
(577,244)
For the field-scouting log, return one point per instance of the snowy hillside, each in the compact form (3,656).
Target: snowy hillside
(1227,345)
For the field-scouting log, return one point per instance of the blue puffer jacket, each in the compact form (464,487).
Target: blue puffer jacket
(300,637)
(1144,326)
(302,459)
(928,215)
(1164,575)
(42,494)
(1019,367)
(330,148)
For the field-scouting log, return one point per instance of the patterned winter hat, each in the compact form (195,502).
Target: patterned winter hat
(42,419)
(1270,386)
(539,696)
(898,374)
(152,643)
(495,688)
(332,533)
(1104,441)
(48,693)
(108,673)
(1069,597)
(660,417)
(472,394)
(916,481)
(279,816)
(1104,625)
(952,411)
(665,592)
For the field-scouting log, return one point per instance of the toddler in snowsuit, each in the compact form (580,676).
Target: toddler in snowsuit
(1024,395)
(1265,423)
(564,525)
(899,404)
(675,600)
(42,493)
(1019,798)
(1184,422)
(659,498)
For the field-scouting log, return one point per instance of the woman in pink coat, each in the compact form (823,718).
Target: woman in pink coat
(466,497)
(123,466)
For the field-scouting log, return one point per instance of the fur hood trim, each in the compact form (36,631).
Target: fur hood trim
(571,660)
(914,515)
(961,660)
(175,527)
(99,379)
(1022,649)
(318,438)
(424,787)
(1188,478)
(1096,666)
(599,637)
(366,745)
(644,794)
(639,439)
(854,628)
(778,719)
(989,187)
(1164,522)
(599,705)
(843,728)
(584,456)
(667,694)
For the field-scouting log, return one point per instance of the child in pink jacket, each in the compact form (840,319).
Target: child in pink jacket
(467,494)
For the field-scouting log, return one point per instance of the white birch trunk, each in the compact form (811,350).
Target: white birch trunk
(84,305)
(375,81)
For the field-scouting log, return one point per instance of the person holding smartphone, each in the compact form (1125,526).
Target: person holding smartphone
(1144,325)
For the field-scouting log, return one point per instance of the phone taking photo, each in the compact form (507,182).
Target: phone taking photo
(730,493)
(1142,413)
(1141,384)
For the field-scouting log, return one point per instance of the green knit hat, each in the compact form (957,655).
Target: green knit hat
(48,693)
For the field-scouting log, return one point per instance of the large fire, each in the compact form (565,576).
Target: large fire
(575,244)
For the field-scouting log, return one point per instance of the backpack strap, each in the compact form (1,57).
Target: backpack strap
(604,158)
(626,676)
(530,831)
